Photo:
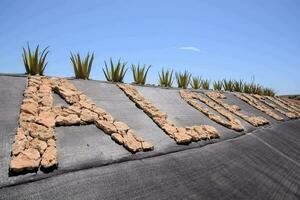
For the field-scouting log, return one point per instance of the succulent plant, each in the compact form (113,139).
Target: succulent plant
(217,85)
(116,72)
(166,78)
(196,83)
(140,73)
(35,63)
(205,83)
(82,67)
(183,79)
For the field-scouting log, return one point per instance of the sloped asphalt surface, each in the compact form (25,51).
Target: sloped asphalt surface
(257,165)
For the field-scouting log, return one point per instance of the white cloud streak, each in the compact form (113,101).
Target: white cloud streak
(189,48)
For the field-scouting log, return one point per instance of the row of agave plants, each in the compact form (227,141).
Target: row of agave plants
(35,64)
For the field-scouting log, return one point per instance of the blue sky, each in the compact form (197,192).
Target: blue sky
(213,39)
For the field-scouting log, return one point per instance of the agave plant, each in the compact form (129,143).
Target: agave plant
(205,84)
(256,89)
(183,79)
(166,78)
(196,83)
(247,88)
(217,85)
(116,72)
(140,73)
(268,92)
(35,63)
(238,86)
(82,67)
(228,85)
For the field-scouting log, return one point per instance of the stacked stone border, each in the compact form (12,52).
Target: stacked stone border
(230,121)
(258,105)
(181,135)
(35,143)
(289,104)
(274,104)
(254,120)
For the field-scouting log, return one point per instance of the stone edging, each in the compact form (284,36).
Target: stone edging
(289,104)
(258,105)
(181,135)
(275,105)
(34,145)
(229,122)
(254,120)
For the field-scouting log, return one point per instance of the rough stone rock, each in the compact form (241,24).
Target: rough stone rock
(120,126)
(131,143)
(106,126)
(49,158)
(212,131)
(51,142)
(170,130)
(26,117)
(32,127)
(20,135)
(42,135)
(71,119)
(47,119)
(98,110)
(194,134)
(40,145)
(88,116)
(236,124)
(160,121)
(108,118)
(86,104)
(73,109)
(30,108)
(147,146)
(181,137)
(29,100)
(117,138)
(28,159)
(201,132)
(19,145)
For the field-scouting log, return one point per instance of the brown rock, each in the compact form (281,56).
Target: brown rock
(28,159)
(19,145)
(131,143)
(47,119)
(51,142)
(194,134)
(181,137)
(147,146)
(20,135)
(106,126)
(211,131)
(49,158)
(121,127)
(29,108)
(98,110)
(42,135)
(170,130)
(40,145)
(201,132)
(71,119)
(108,118)
(88,116)
(117,138)
(86,104)
(26,117)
